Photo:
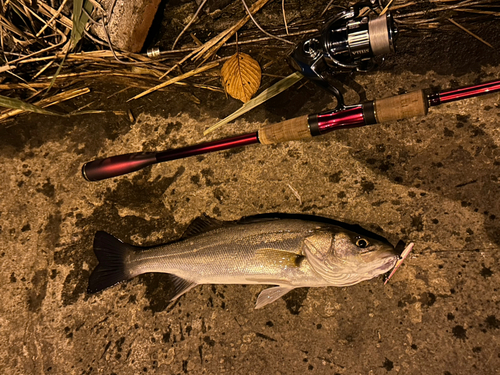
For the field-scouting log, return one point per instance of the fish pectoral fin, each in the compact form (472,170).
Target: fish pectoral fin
(180,285)
(281,257)
(270,295)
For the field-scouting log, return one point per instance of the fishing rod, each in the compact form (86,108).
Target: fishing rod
(415,103)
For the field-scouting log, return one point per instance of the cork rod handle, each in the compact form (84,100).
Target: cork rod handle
(288,130)
(399,107)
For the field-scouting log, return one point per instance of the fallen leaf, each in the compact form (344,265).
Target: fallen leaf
(241,76)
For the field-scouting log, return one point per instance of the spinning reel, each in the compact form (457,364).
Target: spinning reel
(348,42)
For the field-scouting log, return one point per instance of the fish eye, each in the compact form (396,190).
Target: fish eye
(362,243)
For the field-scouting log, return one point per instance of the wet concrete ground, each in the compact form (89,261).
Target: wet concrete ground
(434,181)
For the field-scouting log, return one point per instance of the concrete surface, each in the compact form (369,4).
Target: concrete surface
(432,180)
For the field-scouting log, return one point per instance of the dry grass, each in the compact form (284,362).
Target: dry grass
(44,60)
(434,14)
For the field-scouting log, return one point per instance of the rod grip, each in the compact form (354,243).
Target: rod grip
(288,130)
(401,106)
(117,165)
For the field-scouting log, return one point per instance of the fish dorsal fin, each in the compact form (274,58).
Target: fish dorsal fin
(180,285)
(270,295)
(202,225)
(262,218)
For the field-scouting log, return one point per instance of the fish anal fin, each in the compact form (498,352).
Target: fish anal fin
(180,286)
(270,295)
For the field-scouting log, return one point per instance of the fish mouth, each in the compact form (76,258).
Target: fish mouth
(400,247)
(388,265)
(382,263)
(392,259)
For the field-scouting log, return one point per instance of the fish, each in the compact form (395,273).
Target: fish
(284,251)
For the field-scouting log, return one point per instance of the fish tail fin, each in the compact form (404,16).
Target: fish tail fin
(112,268)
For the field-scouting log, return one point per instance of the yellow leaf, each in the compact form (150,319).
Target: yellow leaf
(241,76)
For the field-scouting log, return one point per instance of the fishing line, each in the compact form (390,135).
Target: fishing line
(476,250)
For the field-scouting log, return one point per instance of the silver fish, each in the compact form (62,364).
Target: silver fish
(286,252)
